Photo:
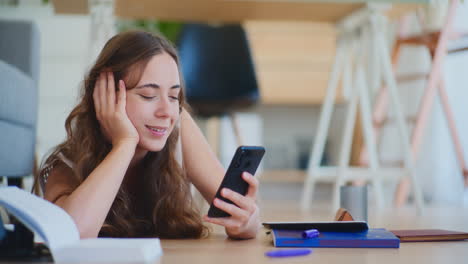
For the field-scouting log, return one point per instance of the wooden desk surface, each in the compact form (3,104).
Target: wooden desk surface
(218,249)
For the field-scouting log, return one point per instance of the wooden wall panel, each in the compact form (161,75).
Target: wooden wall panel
(292,60)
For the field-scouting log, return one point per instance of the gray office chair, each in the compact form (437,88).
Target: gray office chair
(19,74)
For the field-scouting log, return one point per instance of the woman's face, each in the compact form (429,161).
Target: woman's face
(153,105)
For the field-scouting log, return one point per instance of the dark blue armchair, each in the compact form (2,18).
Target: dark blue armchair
(218,69)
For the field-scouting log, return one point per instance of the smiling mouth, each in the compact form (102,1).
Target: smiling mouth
(157,131)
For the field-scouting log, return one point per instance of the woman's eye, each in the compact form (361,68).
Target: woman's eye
(175,98)
(147,97)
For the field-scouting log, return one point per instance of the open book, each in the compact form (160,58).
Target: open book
(61,235)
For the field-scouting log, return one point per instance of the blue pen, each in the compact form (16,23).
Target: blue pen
(311,233)
(288,253)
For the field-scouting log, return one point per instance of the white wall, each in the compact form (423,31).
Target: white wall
(290,130)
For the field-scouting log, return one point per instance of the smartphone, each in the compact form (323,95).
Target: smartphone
(246,158)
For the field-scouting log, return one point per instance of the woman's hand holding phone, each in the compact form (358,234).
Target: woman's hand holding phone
(244,221)
(111,112)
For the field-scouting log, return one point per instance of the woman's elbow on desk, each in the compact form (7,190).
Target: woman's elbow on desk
(86,229)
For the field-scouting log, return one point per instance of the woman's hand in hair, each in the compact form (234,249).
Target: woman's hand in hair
(110,110)
(244,221)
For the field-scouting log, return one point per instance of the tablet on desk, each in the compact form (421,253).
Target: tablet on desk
(332,226)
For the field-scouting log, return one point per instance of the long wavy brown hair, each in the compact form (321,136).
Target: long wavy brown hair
(166,206)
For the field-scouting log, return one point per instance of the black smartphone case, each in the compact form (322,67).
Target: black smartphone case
(246,158)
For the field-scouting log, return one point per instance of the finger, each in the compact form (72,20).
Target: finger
(102,93)
(110,91)
(122,97)
(231,209)
(96,96)
(222,221)
(240,200)
(253,185)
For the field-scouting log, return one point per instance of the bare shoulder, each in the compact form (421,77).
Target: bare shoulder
(61,181)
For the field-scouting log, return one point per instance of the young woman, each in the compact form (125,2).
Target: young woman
(132,151)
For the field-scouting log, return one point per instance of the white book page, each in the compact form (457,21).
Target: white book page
(52,223)
(111,250)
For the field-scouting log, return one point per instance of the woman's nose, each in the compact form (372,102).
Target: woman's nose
(163,107)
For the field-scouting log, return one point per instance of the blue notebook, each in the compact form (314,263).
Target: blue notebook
(372,238)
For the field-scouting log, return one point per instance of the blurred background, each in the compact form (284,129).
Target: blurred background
(286,66)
